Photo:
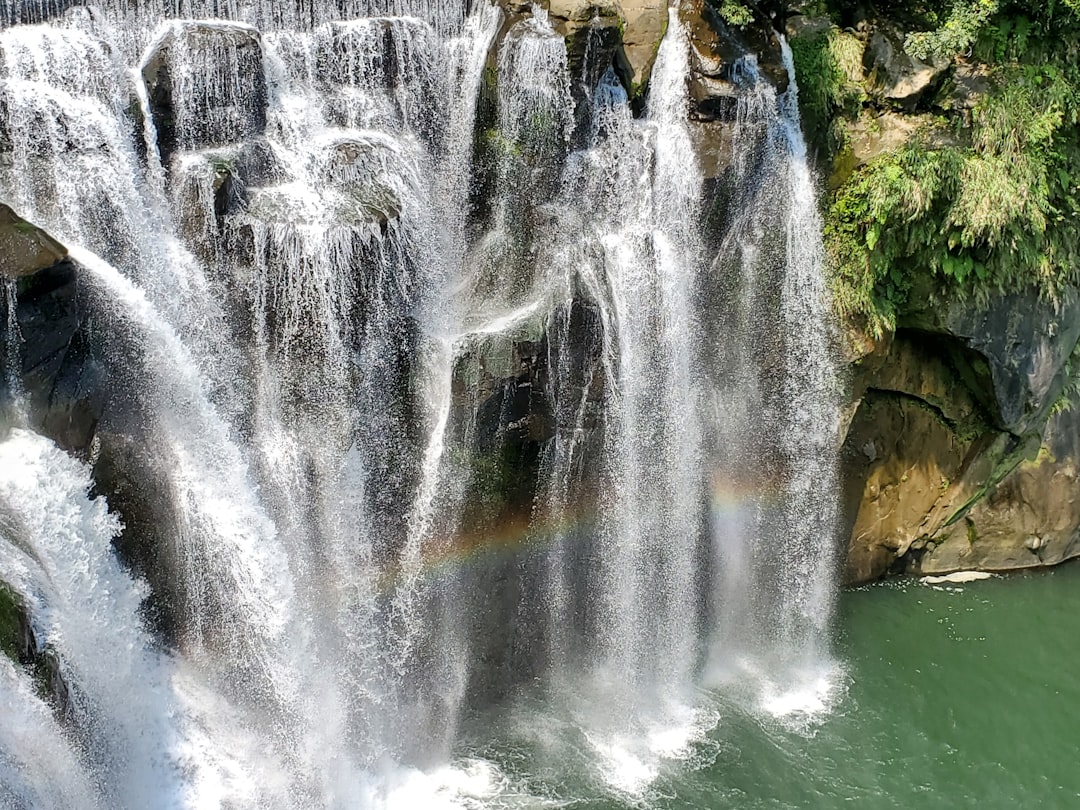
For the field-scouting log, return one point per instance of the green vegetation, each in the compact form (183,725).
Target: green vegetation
(1070,392)
(735,13)
(829,67)
(960,31)
(977,202)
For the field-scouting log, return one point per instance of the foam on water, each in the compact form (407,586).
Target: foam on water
(57,556)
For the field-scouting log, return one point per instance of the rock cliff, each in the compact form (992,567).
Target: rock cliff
(961,451)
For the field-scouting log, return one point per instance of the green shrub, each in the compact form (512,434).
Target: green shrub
(735,13)
(828,66)
(972,208)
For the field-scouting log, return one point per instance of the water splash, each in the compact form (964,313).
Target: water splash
(56,555)
(39,765)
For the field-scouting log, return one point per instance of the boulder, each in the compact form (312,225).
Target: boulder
(969,83)
(51,350)
(25,249)
(1030,518)
(646,23)
(390,58)
(896,77)
(387,52)
(206,85)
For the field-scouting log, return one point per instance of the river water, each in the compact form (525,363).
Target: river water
(953,696)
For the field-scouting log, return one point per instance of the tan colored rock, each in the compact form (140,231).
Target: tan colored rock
(897,77)
(873,135)
(642,24)
(905,460)
(25,248)
(933,488)
(646,23)
(582,11)
(1030,519)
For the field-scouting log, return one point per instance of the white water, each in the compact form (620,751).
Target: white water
(315,331)
(56,555)
(38,765)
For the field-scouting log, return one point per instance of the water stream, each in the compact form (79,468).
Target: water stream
(445,403)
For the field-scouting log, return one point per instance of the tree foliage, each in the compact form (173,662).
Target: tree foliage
(980,204)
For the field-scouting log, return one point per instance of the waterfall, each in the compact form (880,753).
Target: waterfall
(775,432)
(429,395)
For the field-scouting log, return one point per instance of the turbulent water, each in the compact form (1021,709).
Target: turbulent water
(443,396)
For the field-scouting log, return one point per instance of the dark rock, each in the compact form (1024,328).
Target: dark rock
(133,478)
(719,56)
(29,12)
(381,53)
(18,642)
(51,348)
(1025,338)
(16,635)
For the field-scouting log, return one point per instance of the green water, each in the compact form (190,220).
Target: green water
(955,696)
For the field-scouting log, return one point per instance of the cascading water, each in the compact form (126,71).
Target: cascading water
(378,298)
(774,399)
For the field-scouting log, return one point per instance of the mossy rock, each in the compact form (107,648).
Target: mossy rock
(13,626)
(25,248)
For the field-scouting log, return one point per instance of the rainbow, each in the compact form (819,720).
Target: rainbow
(526,529)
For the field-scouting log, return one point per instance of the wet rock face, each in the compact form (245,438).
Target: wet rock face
(19,12)
(49,351)
(58,346)
(646,22)
(725,61)
(17,641)
(721,53)
(61,374)
(512,398)
(206,86)
(624,37)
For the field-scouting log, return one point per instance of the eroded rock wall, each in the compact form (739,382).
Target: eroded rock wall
(961,449)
